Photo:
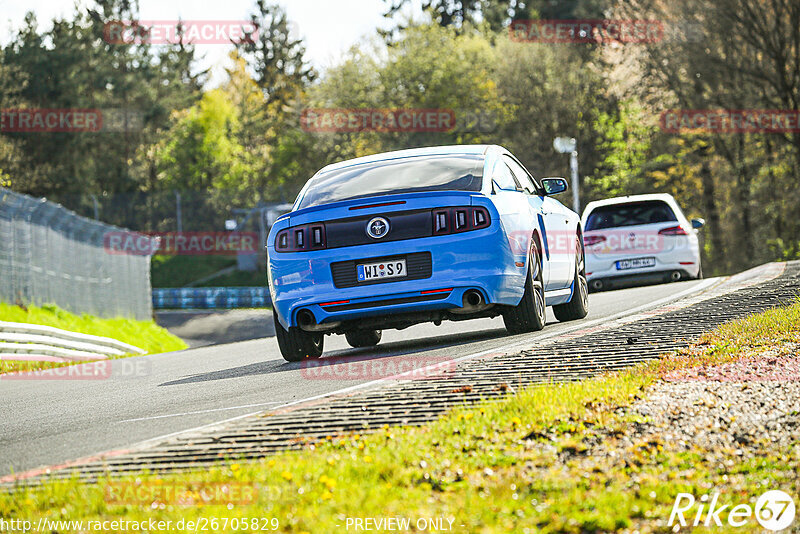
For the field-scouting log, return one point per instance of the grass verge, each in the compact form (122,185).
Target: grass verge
(178,271)
(522,464)
(143,334)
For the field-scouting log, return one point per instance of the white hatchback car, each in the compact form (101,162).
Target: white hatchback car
(639,238)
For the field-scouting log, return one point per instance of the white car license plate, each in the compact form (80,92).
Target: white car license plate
(635,263)
(377,271)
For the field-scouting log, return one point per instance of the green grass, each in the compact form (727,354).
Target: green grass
(493,467)
(178,271)
(238,279)
(143,334)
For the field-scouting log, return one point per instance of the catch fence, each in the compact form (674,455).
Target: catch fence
(51,255)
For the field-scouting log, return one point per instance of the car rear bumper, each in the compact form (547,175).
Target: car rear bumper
(480,259)
(662,272)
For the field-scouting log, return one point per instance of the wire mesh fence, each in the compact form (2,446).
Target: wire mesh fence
(51,255)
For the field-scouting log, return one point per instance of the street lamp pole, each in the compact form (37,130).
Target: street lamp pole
(566,145)
(576,198)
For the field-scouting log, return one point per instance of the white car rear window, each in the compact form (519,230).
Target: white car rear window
(630,214)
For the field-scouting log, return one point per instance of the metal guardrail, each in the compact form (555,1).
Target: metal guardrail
(22,341)
(50,255)
(211,297)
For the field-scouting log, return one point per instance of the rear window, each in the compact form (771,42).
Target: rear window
(406,175)
(631,214)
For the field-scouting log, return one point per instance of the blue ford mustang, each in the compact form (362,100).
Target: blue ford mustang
(429,234)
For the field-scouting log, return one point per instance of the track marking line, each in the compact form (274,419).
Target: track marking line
(198,412)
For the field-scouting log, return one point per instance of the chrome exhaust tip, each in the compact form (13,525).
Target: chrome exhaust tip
(471,302)
(306,321)
(473,298)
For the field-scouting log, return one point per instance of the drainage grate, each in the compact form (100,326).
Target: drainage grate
(572,357)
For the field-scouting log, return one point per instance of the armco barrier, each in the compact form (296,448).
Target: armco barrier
(211,297)
(23,341)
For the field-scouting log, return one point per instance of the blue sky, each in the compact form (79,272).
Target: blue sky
(329,27)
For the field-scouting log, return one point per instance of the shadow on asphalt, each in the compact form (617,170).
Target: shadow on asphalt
(341,358)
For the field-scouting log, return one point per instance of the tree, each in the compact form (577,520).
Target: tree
(70,65)
(739,54)
(201,153)
(275,56)
(497,14)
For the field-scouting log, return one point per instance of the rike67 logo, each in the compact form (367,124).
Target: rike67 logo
(774,510)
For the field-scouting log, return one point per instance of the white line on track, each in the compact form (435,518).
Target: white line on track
(704,285)
(199,412)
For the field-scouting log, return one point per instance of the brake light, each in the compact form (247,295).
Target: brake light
(589,240)
(673,230)
(301,238)
(460,219)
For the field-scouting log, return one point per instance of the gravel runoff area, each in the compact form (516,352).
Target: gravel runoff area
(724,416)
(740,406)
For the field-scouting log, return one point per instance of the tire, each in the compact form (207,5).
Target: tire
(363,338)
(529,314)
(297,344)
(578,305)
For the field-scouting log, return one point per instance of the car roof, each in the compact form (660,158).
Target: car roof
(666,197)
(412,152)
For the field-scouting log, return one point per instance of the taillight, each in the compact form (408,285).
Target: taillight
(301,238)
(673,230)
(589,240)
(460,219)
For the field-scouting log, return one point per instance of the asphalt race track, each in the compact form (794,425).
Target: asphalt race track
(46,422)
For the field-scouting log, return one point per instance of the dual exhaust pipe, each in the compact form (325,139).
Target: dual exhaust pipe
(471,302)
(306,321)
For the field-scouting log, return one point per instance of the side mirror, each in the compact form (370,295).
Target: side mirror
(698,223)
(554,186)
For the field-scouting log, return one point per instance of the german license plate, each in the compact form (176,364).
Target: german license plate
(635,263)
(377,271)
